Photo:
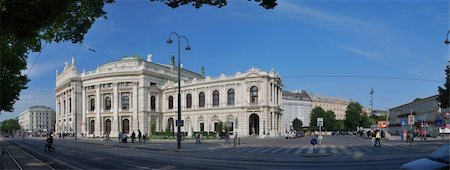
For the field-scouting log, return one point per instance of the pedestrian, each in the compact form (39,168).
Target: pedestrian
(377,138)
(401,137)
(405,135)
(133,137)
(125,137)
(139,136)
(197,140)
(48,145)
(120,137)
(373,137)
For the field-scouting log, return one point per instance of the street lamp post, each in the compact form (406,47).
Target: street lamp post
(169,41)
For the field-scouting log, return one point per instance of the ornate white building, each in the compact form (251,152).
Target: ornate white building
(134,94)
(37,119)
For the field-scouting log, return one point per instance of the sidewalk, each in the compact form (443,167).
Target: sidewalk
(154,144)
(417,139)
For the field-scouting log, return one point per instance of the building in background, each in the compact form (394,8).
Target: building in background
(134,94)
(379,112)
(37,119)
(336,104)
(425,112)
(296,104)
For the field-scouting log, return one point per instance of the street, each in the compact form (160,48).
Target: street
(336,152)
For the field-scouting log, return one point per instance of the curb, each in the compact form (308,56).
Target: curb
(315,154)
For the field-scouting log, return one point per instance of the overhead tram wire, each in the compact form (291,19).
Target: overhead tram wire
(95,51)
(362,76)
(40,52)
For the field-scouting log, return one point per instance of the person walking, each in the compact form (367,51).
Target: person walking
(133,137)
(373,137)
(405,135)
(139,136)
(197,140)
(120,137)
(377,138)
(48,145)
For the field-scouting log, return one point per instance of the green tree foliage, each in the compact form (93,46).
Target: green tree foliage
(444,91)
(339,125)
(329,118)
(25,25)
(353,115)
(267,4)
(365,121)
(297,124)
(10,125)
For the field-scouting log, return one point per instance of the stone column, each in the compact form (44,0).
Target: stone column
(83,110)
(272,97)
(134,107)
(58,117)
(97,110)
(115,107)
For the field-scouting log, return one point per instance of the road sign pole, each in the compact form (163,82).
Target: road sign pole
(320,135)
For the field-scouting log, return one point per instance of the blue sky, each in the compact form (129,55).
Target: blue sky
(297,38)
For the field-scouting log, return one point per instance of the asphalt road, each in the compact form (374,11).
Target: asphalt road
(336,152)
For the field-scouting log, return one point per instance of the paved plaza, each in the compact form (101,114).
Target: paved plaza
(335,152)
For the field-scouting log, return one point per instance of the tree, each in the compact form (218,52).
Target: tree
(297,124)
(365,121)
(353,115)
(329,118)
(443,97)
(10,125)
(267,4)
(25,25)
(339,125)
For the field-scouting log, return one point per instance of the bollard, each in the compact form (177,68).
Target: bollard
(234,142)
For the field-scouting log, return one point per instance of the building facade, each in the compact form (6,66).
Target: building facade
(335,104)
(425,112)
(296,104)
(135,94)
(37,119)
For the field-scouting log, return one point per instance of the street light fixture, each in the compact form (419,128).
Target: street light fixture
(169,41)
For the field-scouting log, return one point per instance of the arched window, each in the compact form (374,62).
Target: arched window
(153,103)
(254,94)
(216,98)
(188,101)
(125,102)
(92,127)
(170,102)
(92,104)
(201,99)
(230,97)
(107,103)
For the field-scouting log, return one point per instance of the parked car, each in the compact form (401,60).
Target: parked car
(439,159)
(300,134)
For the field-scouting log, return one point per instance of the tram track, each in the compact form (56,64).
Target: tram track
(14,157)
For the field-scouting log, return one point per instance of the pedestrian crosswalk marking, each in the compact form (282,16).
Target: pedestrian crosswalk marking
(300,149)
(310,150)
(279,149)
(333,149)
(255,149)
(289,149)
(365,148)
(267,149)
(322,148)
(245,149)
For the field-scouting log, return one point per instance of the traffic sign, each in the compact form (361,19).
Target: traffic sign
(403,122)
(410,119)
(313,141)
(439,122)
(319,121)
(180,123)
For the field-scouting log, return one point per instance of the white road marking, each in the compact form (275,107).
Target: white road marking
(323,148)
(136,166)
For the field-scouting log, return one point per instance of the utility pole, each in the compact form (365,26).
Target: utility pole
(371,100)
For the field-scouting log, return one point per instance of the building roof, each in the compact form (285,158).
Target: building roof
(417,100)
(296,95)
(329,99)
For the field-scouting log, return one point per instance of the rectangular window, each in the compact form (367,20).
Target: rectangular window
(70,105)
(202,127)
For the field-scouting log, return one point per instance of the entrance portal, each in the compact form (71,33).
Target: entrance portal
(126,125)
(253,124)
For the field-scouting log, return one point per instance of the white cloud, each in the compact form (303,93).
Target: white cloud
(360,52)
(28,98)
